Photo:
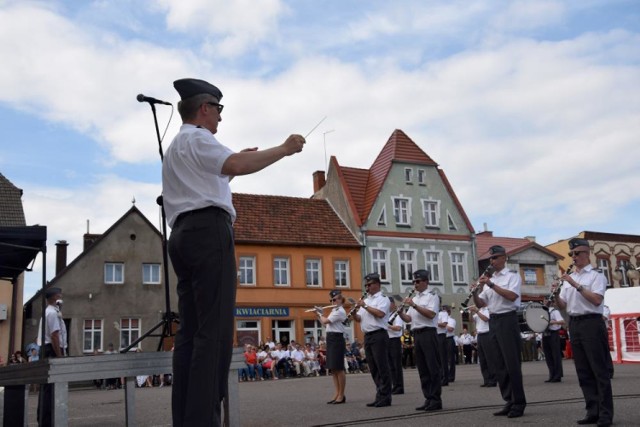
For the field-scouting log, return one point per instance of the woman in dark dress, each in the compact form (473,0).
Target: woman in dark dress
(336,345)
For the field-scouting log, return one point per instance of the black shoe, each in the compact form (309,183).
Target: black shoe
(331,402)
(338,402)
(503,411)
(484,385)
(434,407)
(515,414)
(444,384)
(557,380)
(492,385)
(547,381)
(383,404)
(398,391)
(588,420)
(372,404)
(423,407)
(604,423)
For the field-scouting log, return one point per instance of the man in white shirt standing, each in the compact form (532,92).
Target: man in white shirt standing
(196,172)
(452,346)
(373,315)
(395,350)
(481,319)
(443,318)
(551,346)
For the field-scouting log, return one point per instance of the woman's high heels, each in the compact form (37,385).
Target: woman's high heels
(331,402)
(338,402)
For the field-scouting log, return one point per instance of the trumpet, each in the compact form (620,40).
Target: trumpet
(353,309)
(475,287)
(401,307)
(555,291)
(319,309)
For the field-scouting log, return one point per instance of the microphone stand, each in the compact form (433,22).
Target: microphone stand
(168,317)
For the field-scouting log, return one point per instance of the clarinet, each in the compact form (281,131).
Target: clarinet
(555,292)
(474,288)
(353,310)
(400,309)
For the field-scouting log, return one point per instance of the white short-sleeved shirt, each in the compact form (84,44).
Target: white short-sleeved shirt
(336,317)
(451,323)
(506,279)
(555,316)
(592,280)
(396,322)
(442,317)
(481,325)
(53,322)
(430,302)
(192,173)
(369,322)
(466,339)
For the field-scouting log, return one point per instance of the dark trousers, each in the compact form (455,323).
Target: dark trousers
(552,354)
(589,344)
(488,375)
(443,345)
(45,398)
(429,365)
(452,352)
(375,348)
(467,349)
(408,361)
(202,252)
(395,364)
(504,355)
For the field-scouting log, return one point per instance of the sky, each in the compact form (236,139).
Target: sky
(532,108)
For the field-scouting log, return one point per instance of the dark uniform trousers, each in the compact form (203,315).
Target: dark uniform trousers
(452,352)
(589,344)
(488,375)
(375,348)
(429,365)
(552,354)
(504,351)
(395,365)
(203,256)
(444,358)
(45,398)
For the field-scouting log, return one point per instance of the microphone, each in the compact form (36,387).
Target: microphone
(142,98)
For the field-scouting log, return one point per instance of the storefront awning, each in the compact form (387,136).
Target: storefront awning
(19,247)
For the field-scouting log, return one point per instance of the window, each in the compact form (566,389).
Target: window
(379,263)
(408,175)
(151,274)
(432,265)
(341,273)
(129,331)
(312,331)
(382,219)
(407,265)
(458,268)
(247,270)
(422,177)
(401,211)
(248,332)
(281,271)
(92,335)
(431,213)
(603,264)
(113,272)
(313,272)
(452,224)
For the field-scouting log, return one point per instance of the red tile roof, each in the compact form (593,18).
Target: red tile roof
(512,245)
(280,220)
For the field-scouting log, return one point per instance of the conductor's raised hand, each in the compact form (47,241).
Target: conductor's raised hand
(293,144)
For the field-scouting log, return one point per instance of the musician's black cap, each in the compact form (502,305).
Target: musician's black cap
(497,250)
(334,292)
(421,275)
(372,277)
(575,242)
(50,292)
(191,87)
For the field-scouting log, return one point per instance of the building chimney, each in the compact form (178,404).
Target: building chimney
(89,239)
(61,255)
(318,181)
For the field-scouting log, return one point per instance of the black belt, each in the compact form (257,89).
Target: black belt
(483,333)
(586,316)
(499,315)
(377,331)
(425,329)
(208,209)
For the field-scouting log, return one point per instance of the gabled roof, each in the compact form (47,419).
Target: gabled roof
(291,221)
(513,245)
(11,212)
(88,251)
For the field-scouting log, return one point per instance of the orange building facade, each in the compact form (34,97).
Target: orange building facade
(290,252)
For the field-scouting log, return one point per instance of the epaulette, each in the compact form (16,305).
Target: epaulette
(513,271)
(599,270)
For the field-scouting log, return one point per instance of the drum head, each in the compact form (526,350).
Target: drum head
(537,317)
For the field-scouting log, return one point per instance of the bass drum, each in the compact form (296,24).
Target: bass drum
(533,317)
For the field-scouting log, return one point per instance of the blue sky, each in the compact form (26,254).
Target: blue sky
(532,108)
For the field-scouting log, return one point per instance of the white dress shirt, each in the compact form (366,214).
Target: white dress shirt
(506,279)
(592,280)
(426,300)
(369,322)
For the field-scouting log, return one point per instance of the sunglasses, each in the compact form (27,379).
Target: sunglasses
(334,299)
(495,257)
(576,253)
(418,281)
